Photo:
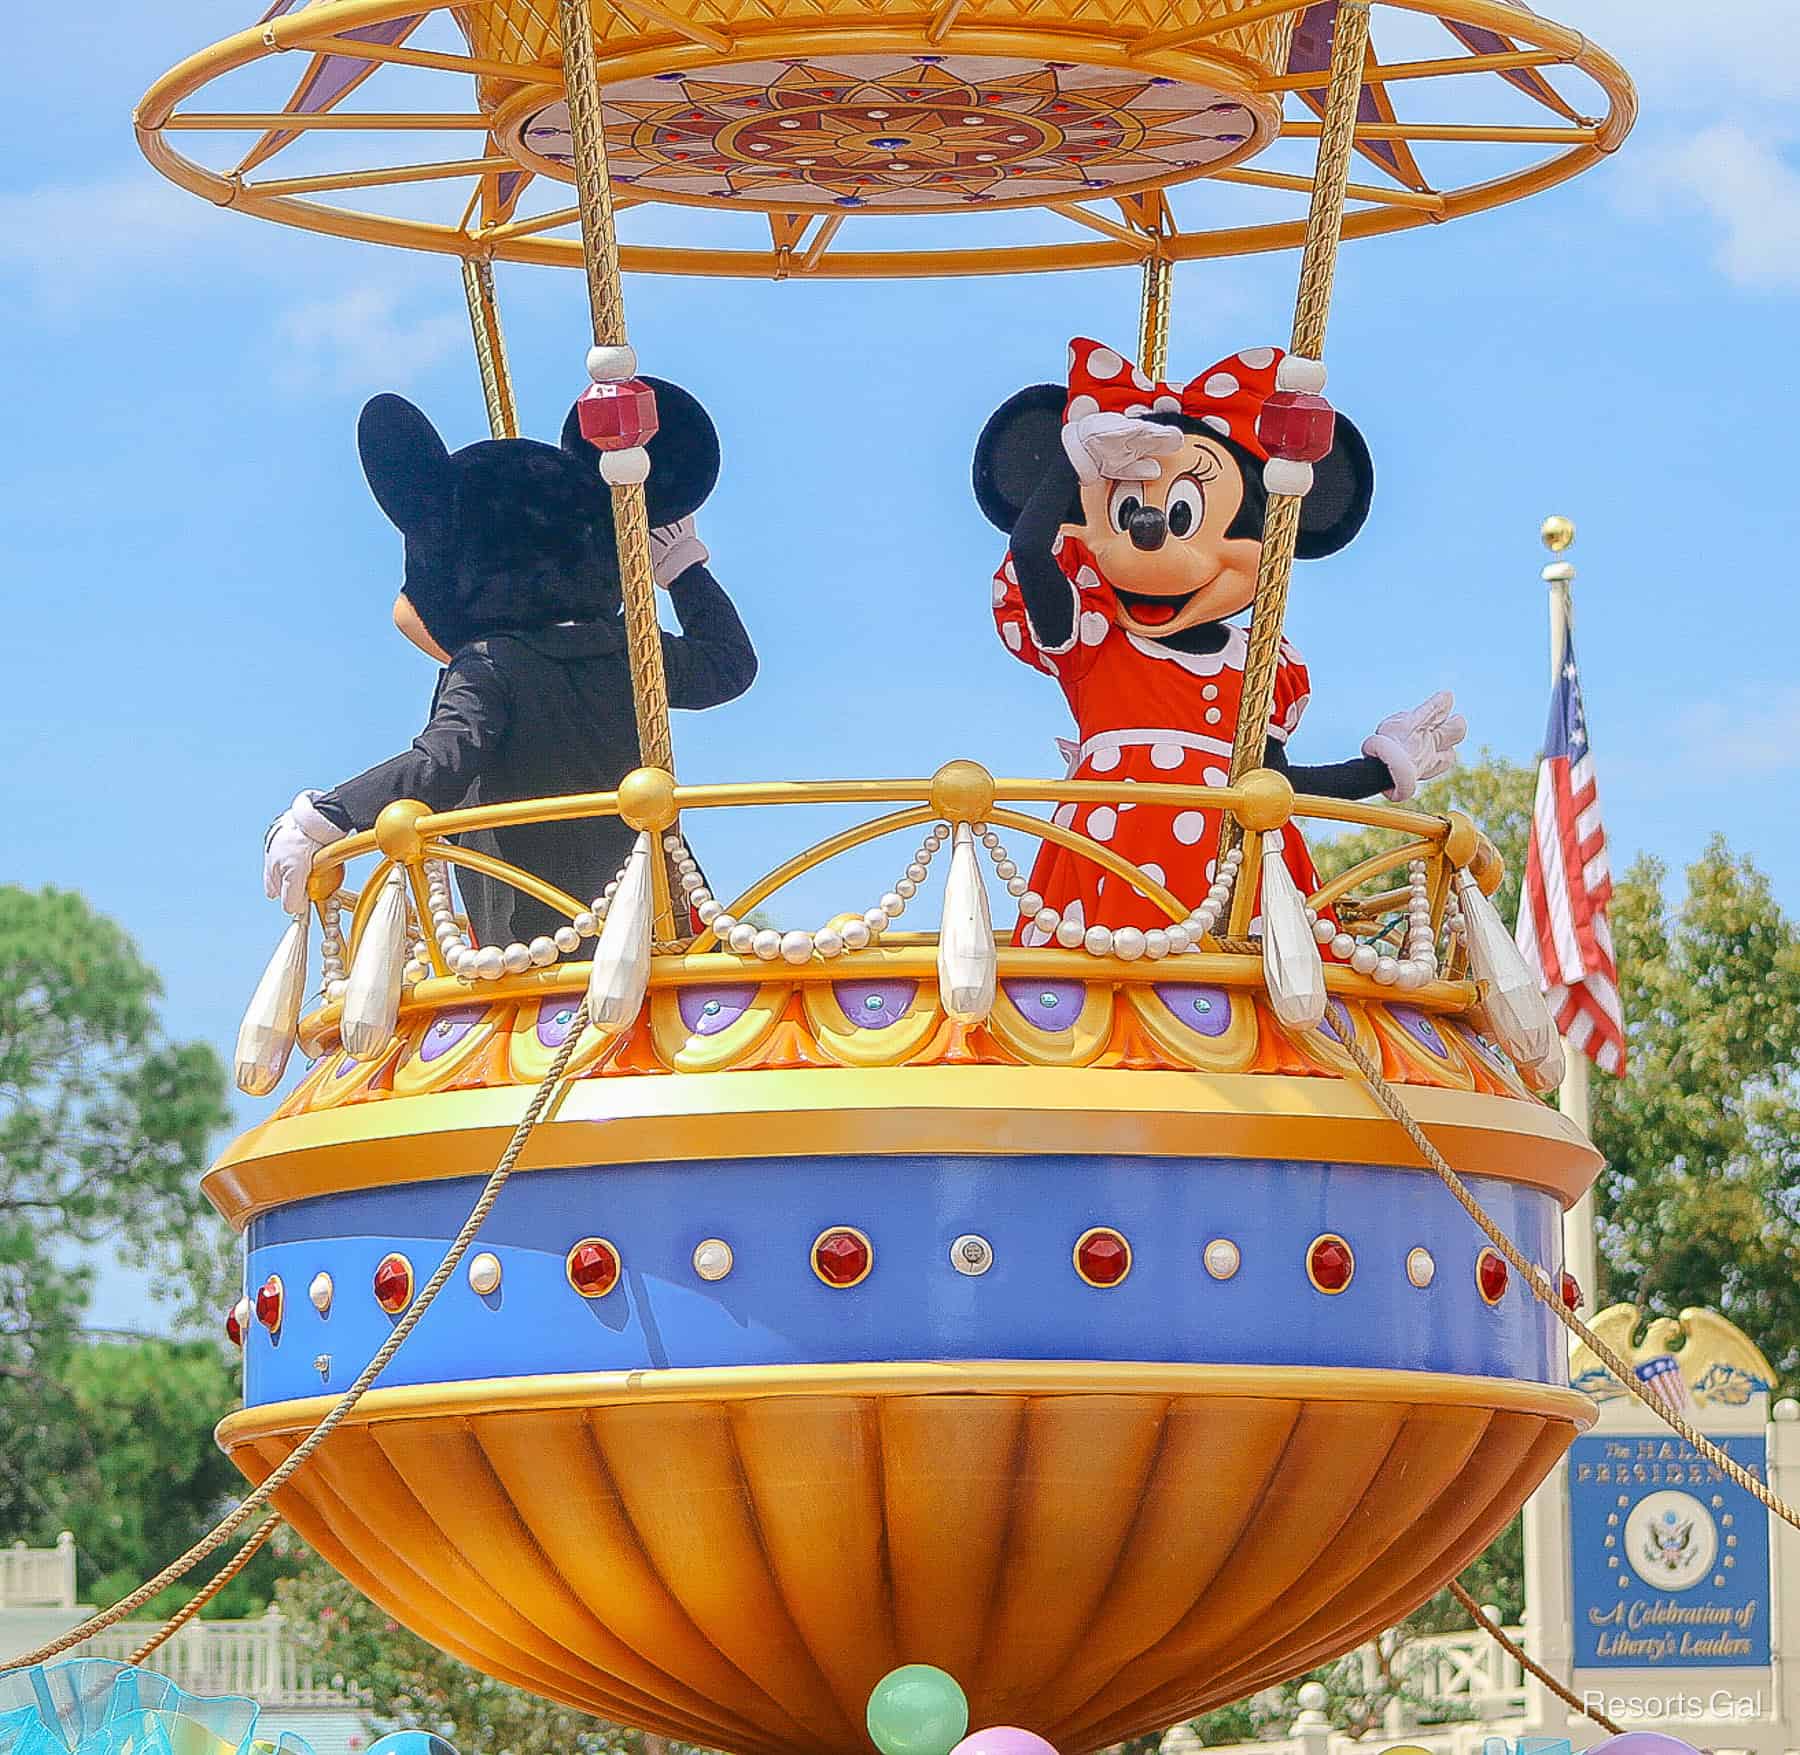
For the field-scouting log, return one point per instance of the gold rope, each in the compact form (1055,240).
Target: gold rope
(606,298)
(1312,304)
(1516,1652)
(490,347)
(209,1590)
(1153,315)
(233,1521)
(1390,1100)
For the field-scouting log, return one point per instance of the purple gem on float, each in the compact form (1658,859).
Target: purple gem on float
(1010,1740)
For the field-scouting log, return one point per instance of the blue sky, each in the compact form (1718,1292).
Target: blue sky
(198,582)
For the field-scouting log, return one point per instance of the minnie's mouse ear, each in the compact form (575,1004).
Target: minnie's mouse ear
(684,454)
(1338,504)
(407,466)
(1022,438)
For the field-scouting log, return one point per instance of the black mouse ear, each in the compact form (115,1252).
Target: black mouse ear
(1338,505)
(1022,438)
(684,454)
(405,461)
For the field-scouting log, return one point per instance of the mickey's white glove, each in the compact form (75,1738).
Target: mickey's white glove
(289,848)
(1117,447)
(1418,745)
(673,549)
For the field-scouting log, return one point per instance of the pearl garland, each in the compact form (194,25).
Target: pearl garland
(1419,964)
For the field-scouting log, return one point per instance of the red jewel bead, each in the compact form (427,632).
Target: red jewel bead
(593,1267)
(618,414)
(1330,1264)
(269,1302)
(1491,1275)
(234,1324)
(1571,1291)
(1102,1257)
(842,1257)
(1296,426)
(393,1283)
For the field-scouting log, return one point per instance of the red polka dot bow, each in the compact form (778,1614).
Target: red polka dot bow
(1227,397)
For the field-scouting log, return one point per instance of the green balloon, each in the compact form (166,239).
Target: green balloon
(917,1710)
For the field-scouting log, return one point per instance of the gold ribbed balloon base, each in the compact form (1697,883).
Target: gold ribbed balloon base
(735,1557)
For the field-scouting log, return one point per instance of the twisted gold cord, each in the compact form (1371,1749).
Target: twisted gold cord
(1516,1652)
(1153,314)
(1312,304)
(209,1590)
(229,1525)
(490,347)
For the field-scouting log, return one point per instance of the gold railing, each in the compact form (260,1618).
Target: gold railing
(411,838)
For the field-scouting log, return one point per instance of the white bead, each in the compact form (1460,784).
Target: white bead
(414,972)
(516,959)
(585,924)
(723,925)
(336,990)
(1234,859)
(828,943)
(672,843)
(692,881)
(462,965)
(1030,902)
(1281,475)
(1387,971)
(684,860)
(1098,941)
(1412,974)
(490,963)
(767,944)
(1312,914)
(1156,943)
(978,829)
(1219,895)
(1364,958)
(1324,931)
(1018,886)
(611,365)
(1343,947)
(625,468)
(542,952)
(1178,936)
(856,934)
(876,920)
(916,872)
(893,904)
(567,939)
(609,892)
(709,911)
(1070,933)
(797,947)
(448,933)
(743,936)
(1128,942)
(1046,920)
(1004,868)
(906,887)
(1297,372)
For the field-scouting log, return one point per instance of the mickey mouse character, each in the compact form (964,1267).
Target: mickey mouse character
(512,584)
(1136,514)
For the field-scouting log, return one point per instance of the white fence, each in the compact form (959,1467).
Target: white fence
(258,1658)
(38,1578)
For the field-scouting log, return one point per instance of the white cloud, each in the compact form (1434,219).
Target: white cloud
(1749,191)
(1715,738)
(362,335)
(1693,56)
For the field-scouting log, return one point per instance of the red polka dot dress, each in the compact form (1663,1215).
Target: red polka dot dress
(1145,712)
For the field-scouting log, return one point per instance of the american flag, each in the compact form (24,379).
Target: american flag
(1563,931)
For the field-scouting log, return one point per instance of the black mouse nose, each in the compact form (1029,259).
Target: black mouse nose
(1148,527)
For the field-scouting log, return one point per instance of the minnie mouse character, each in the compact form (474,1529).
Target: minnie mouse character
(1136,515)
(512,584)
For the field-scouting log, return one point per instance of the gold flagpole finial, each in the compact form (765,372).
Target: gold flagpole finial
(1558,533)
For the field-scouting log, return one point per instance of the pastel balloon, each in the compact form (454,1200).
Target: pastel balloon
(410,1743)
(916,1710)
(1006,1740)
(1643,1743)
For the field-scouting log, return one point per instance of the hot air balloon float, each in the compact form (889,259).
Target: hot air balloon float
(1046,1307)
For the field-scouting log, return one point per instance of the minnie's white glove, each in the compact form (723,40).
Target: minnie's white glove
(1418,745)
(673,549)
(289,848)
(1117,447)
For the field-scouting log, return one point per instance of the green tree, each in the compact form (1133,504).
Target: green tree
(407,1683)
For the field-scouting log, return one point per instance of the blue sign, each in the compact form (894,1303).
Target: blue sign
(1670,1559)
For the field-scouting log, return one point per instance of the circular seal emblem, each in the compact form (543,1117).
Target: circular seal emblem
(1670,1540)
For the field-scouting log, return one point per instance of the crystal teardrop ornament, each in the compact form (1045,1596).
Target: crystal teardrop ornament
(1510,995)
(621,971)
(372,993)
(271,1023)
(968,963)
(1292,969)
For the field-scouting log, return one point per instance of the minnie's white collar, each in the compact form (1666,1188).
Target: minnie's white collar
(1230,656)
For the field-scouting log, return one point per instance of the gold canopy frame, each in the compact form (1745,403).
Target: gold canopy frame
(507,90)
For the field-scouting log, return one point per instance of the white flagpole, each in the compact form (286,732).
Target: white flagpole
(1578,1223)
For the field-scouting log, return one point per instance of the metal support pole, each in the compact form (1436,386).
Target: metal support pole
(1312,305)
(490,347)
(606,299)
(1153,316)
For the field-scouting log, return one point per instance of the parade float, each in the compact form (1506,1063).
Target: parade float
(1074,1317)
